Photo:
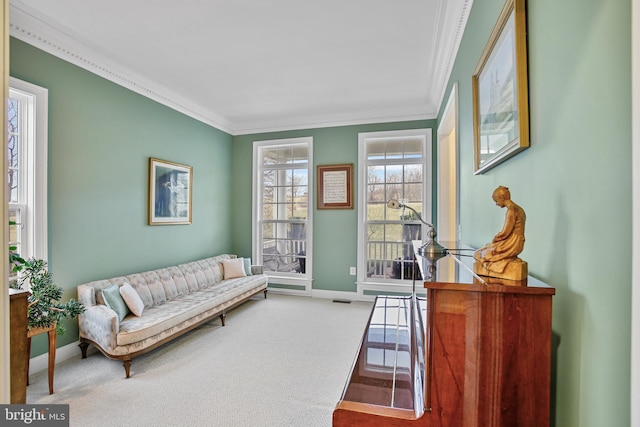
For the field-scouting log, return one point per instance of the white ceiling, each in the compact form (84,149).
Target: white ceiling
(247,66)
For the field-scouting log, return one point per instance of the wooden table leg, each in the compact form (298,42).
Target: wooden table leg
(52,335)
(28,356)
(52,357)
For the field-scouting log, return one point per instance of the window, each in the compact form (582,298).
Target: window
(282,211)
(392,165)
(27,168)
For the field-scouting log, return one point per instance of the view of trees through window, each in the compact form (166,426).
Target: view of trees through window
(394,171)
(284,210)
(27,112)
(13,153)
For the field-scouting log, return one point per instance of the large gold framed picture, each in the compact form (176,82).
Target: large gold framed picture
(500,91)
(169,192)
(335,186)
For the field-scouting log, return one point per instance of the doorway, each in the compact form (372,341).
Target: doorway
(447,180)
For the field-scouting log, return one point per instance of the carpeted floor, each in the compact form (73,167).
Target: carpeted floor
(279,362)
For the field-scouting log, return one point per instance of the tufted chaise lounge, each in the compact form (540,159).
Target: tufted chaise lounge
(176,300)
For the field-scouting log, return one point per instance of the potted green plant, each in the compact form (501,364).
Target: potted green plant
(44,308)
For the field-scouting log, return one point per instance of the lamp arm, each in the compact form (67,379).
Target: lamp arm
(432,249)
(402,205)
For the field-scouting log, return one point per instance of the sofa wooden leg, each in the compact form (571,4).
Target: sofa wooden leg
(265,293)
(127,367)
(83,348)
(222,317)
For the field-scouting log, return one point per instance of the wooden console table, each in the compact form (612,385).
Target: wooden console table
(19,358)
(483,355)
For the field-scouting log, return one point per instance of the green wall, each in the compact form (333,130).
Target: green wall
(335,232)
(101,136)
(574,183)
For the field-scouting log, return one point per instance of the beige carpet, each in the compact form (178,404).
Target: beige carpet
(279,362)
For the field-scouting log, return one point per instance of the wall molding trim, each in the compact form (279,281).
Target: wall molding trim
(339,295)
(29,26)
(447,48)
(69,351)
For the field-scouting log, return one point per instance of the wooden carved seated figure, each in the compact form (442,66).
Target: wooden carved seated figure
(500,257)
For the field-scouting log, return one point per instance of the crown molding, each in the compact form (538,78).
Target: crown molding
(27,25)
(333,121)
(30,27)
(446,45)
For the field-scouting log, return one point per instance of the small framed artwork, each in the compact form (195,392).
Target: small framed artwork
(335,186)
(169,192)
(500,91)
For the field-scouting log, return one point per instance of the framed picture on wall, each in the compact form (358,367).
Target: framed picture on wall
(335,186)
(169,192)
(500,91)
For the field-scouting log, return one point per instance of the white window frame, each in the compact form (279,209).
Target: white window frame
(299,283)
(368,287)
(33,167)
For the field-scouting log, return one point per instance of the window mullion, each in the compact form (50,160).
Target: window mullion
(31,167)
(281,226)
(394,166)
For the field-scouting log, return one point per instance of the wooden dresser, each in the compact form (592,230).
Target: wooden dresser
(19,356)
(471,352)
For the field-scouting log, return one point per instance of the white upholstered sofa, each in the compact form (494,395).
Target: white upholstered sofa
(173,300)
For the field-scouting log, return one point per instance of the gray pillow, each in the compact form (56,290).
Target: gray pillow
(247,266)
(114,301)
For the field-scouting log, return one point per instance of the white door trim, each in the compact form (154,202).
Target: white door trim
(448,212)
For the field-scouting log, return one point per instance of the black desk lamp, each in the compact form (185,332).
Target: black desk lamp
(431,249)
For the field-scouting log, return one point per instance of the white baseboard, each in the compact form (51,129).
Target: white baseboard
(338,295)
(298,292)
(41,363)
(319,293)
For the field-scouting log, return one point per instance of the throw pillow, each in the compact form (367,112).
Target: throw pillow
(132,299)
(114,301)
(233,268)
(247,266)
